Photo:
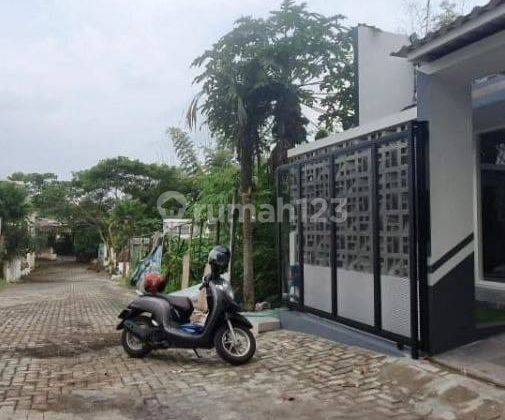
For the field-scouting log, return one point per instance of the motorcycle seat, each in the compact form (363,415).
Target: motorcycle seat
(181,302)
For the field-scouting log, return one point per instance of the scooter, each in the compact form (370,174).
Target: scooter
(159,321)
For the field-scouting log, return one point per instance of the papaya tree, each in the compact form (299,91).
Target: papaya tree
(235,102)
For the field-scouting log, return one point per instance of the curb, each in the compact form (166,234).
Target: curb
(467,373)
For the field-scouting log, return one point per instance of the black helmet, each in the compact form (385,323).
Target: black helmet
(219,258)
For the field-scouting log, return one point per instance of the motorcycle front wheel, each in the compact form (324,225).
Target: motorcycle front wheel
(238,351)
(133,345)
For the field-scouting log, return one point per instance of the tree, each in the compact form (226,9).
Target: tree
(121,177)
(118,198)
(34,182)
(211,177)
(309,62)
(424,16)
(13,202)
(185,150)
(236,103)
(258,77)
(447,14)
(14,211)
(54,200)
(47,194)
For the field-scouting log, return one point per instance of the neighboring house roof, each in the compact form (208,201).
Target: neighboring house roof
(480,23)
(43,223)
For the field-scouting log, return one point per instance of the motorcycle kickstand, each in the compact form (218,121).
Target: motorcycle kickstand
(197,354)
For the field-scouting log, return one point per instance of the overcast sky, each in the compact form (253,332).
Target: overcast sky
(85,80)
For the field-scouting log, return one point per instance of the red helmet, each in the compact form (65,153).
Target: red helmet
(155,283)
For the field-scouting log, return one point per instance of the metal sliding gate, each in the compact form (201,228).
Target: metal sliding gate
(348,236)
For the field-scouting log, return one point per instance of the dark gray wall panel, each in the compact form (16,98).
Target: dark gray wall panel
(452,305)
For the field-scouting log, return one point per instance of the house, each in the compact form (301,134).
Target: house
(412,244)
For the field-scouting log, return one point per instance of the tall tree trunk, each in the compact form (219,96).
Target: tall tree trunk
(247,164)
(233,234)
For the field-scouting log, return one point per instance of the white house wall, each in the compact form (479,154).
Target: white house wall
(386,83)
(448,109)
(445,101)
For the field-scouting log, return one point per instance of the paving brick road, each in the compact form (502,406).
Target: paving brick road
(60,359)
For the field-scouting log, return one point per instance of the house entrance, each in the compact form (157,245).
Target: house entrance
(492,155)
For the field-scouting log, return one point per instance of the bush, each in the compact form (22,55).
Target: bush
(13,212)
(173,258)
(171,265)
(18,240)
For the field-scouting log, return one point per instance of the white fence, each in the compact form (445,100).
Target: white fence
(18,267)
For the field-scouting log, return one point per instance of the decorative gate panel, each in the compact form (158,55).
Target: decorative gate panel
(359,259)
(315,194)
(394,236)
(354,253)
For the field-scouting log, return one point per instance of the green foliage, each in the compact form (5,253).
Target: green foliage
(14,211)
(49,197)
(448,13)
(118,198)
(321,134)
(255,82)
(34,181)
(171,267)
(199,256)
(215,187)
(218,157)
(293,58)
(489,316)
(17,239)
(54,200)
(310,62)
(265,243)
(175,249)
(13,202)
(86,240)
(130,218)
(109,202)
(235,97)
(185,150)
(424,16)
(42,241)
(118,178)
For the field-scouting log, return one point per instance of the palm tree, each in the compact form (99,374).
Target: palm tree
(235,102)
(262,72)
(309,62)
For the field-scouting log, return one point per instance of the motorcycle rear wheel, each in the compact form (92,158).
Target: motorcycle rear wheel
(239,353)
(132,345)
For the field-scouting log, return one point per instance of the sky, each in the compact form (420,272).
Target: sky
(82,81)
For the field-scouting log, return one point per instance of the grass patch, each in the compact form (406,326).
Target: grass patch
(490,316)
(3,283)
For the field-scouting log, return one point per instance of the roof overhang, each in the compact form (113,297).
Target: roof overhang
(378,125)
(480,59)
(481,23)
